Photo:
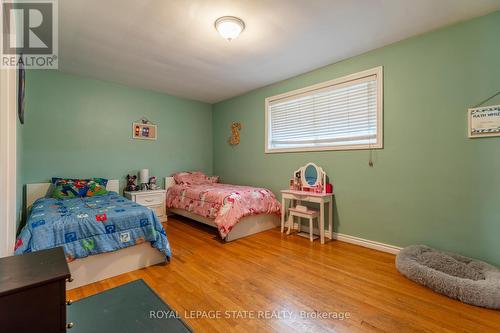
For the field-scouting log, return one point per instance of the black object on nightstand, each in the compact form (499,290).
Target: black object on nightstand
(33,292)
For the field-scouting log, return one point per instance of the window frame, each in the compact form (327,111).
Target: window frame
(379,144)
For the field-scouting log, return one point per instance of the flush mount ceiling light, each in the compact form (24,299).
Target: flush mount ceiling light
(229,27)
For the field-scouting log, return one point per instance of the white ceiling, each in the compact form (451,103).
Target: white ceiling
(171,46)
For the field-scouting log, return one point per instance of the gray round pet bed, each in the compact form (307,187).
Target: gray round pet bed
(468,280)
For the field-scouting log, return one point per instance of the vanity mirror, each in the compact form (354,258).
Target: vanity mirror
(310,178)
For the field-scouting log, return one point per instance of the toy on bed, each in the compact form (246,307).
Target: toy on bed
(131,185)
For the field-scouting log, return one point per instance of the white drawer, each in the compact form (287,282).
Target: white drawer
(159,210)
(151,199)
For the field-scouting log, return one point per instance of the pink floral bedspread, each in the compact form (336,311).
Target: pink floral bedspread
(224,203)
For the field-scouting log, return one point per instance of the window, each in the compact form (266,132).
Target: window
(341,114)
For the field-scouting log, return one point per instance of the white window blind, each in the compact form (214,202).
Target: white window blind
(339,114)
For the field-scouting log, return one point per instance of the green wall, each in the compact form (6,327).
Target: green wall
(430,184)
(78,127)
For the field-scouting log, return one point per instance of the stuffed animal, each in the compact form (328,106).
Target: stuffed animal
(152,184)
(131,185)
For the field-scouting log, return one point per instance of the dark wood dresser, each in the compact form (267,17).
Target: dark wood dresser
(33,292)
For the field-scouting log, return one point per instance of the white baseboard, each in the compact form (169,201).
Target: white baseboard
(367,243)
(356,240)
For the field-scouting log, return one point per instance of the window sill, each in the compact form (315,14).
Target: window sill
(311,149)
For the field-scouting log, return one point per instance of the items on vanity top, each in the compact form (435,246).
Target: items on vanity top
(310,178)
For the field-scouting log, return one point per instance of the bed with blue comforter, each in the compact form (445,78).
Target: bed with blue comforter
(90,225)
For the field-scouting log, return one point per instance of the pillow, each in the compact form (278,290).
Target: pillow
(96,186)
(69,188)
(101,181)
(193,178)
(213,179)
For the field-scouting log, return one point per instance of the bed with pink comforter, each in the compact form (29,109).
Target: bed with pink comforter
(224,203)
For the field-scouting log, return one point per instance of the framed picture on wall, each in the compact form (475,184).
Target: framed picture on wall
(484,121)
(144,131)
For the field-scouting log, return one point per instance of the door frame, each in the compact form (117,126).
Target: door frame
(8,160)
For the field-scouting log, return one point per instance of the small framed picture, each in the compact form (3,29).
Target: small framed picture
(484,121)
(144,131)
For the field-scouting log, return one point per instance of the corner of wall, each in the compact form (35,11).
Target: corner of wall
(212,114)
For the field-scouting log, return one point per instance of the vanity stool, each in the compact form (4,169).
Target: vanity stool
(307,214)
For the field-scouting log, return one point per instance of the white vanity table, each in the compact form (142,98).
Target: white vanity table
(310,186)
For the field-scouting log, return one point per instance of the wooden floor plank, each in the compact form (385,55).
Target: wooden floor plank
(279,274)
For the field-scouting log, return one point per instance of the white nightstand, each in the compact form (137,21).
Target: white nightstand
(153,199)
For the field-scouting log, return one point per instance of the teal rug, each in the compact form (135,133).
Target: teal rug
(130,308)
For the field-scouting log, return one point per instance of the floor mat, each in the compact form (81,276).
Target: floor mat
(130,308)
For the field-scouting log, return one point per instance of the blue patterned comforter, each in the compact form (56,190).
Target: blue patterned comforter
(90,225)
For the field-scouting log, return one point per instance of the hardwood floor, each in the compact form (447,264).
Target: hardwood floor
(274,272)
